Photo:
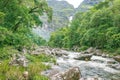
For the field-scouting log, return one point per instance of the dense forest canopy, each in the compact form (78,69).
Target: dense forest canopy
(17,17)
(98,27)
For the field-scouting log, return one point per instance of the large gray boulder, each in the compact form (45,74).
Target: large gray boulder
(71,74)
(84,57)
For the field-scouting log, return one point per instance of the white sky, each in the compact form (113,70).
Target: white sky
(75,3)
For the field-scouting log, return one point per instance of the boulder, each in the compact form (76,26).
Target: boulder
(90,50)
(84,57)
(98,52)
(71,74)
(117,58)
(59,52)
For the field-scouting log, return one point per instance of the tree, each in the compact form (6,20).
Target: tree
(17,17)
(23,13)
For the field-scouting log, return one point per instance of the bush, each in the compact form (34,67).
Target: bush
(40,58)
(6,52)
(83,48)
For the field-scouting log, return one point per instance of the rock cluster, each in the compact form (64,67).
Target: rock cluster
(49,51)
(71,74)
(18,59)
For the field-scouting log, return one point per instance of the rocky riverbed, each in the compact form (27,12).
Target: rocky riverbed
(92,66)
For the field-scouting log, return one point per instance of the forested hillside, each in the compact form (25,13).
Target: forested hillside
(98,27)
(17,17)
(62,11)
(87,4)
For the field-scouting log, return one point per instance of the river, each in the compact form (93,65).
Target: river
(98,66)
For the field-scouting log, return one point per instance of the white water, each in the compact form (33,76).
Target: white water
(97,67)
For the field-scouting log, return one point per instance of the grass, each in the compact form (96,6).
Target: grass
(6,52)
(41,58)
(35,66)
(9,72)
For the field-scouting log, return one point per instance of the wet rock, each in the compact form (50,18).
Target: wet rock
(65,57)
(102,59)
(91,79)
(38,51)
(85,52)
(112,62)
(115,66)
(98,52)
(90,50)
(71,74)
(105,55)
(59,52)
(53,72)
(117,58)
(84,57)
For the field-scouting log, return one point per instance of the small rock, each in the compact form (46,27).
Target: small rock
(25,75)
(91,79)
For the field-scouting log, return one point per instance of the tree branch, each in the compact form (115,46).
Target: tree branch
(16,26)
(32,10)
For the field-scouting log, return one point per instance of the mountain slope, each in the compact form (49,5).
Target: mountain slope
(62,10)
(87,4)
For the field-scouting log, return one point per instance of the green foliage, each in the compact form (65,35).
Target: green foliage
(40,58)
(38,77)
(21,13)
(37,39)
(34,68)
(98,27)
(6,52)
(16,19)
(82,48)
(9,72)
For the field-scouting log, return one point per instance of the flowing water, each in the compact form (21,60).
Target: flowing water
(97,67)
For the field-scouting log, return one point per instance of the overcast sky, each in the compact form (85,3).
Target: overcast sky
(75,3)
